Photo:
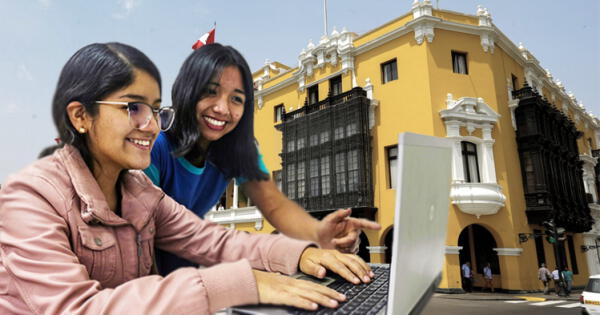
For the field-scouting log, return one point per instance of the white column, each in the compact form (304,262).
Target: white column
(453,132)
(235,195)
(487,148)
(377,249)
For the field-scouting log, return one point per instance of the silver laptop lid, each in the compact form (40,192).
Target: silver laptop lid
(421,218)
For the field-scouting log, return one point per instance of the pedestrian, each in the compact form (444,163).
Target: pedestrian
(556,279)
(79,226)
(568,277)
(212,141)
(467,277)
(487,276)
(544,275)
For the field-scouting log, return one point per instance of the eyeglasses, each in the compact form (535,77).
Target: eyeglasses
(141,113)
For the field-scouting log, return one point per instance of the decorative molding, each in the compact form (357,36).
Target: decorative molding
(487,34)
(238,215)
(453,250)
(373,102)
(377,249)
(485,198)
(508,251)
(420,9)
(477,198)
(536,74)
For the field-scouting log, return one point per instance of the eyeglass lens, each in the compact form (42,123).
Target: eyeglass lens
(140,115)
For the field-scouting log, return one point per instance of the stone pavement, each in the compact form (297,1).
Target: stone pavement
(509,296)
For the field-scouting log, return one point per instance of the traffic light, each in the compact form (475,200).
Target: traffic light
(550,228)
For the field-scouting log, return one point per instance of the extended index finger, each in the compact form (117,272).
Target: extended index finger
(364,224)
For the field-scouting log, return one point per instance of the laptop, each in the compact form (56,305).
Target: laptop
(420,223)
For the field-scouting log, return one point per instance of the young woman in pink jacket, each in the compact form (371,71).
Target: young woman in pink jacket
(78,228)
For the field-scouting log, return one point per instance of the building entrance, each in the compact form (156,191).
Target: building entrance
(478,248)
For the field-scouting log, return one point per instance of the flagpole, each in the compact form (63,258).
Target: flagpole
(325,17)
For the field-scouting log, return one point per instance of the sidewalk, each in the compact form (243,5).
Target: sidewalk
(538,297)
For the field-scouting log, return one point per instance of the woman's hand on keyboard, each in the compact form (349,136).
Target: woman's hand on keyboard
(315,261)
(274,288)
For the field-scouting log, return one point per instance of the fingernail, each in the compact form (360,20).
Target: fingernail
(343,297)
(356,280)
(333,303)
(371,274)
(366,279)
(314,306)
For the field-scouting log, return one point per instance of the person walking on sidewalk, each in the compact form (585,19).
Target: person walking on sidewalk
(568,277)
(556,279)
(487,275)
(544,276)
(467,277)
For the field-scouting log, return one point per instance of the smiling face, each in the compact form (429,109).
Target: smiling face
(113,142)
(222,107)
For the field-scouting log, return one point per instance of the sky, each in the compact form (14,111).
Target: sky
(38,36)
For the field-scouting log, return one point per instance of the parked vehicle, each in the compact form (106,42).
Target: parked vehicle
(590,297)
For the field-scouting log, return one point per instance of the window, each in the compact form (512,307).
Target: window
(340,172)
(351,129)
(353,170)
(291,181)
(325,178)
(335,85)
(278,112)
(300,143)
(572,255)
(324,136)
(459,63)
(471,167)
(515,82)
(277,179)
(389,71)
(392,156)
(314,140)
(338,133)
(301,180)
(539,247)
(290,146)
(313,94)
(314,177)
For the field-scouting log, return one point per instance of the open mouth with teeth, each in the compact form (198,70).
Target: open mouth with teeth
(142,144)
(214,124)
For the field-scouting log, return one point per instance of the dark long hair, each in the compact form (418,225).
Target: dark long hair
(91,74)
(235,154)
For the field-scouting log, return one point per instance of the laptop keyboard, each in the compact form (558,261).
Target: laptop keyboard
(366,298)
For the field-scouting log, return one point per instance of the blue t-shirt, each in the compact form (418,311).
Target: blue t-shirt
(197,188)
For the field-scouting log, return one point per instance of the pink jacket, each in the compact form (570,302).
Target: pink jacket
(62,251)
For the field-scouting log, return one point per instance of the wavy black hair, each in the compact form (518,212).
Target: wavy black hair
(236,153)
(91,74)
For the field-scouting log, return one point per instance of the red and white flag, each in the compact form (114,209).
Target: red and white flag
(207,38)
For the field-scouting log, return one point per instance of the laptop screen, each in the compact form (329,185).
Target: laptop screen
(421,218)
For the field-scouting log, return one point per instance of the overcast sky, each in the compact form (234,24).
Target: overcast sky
(38,36)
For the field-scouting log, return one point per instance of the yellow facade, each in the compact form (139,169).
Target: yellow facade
(422,43)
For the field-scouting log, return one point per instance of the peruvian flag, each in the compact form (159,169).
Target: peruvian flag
(207,38)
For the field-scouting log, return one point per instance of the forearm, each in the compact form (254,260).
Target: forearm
(284,214)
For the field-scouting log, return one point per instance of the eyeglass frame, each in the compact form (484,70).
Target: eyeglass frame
(155,112)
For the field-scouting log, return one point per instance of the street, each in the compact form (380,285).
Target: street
(450,306)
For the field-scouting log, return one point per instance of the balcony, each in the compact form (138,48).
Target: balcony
(237,215)
(477,198)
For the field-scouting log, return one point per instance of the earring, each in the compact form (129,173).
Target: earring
(81,130)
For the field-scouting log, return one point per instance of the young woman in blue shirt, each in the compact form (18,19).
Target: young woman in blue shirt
(212,141)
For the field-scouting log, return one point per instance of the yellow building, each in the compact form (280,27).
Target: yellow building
(328,129)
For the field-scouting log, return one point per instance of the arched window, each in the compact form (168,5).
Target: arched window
(470,164)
